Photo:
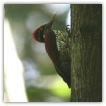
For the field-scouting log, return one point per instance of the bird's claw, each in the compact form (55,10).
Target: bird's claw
(68,30)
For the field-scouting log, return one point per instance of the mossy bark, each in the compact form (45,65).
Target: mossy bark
(86,53)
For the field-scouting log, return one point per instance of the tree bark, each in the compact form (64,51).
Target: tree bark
(86,53)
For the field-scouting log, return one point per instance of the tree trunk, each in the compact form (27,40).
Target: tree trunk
(86,53)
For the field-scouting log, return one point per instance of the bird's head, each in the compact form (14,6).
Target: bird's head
(39,33)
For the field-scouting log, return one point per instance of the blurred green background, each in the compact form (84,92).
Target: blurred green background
(42,83)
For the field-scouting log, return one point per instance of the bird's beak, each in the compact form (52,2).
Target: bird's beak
(49,24)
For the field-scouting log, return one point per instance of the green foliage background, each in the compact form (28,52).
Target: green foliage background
(41,79)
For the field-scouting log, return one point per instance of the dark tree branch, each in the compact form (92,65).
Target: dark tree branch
(86,53)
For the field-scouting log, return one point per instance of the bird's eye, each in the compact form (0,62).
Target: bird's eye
(41,29)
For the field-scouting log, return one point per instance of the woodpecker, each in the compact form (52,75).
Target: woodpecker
(57,47)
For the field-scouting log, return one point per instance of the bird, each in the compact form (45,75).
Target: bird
(57,47)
